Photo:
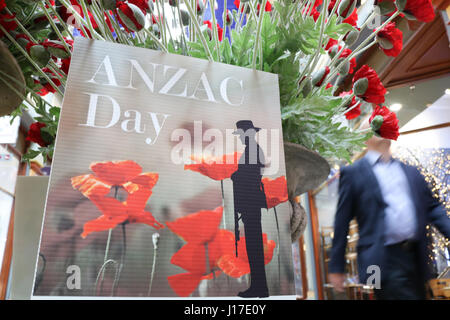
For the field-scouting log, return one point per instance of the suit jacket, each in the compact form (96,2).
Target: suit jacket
(360,196)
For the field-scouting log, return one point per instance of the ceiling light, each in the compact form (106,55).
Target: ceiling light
(396,106)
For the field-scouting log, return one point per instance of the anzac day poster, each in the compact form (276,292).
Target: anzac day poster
(168,180)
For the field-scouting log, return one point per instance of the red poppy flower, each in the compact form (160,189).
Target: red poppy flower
(314,13)
(219,29)
(65,65)
(130,16)
(356,111)
(216,168)
(126,174)
(368,86)
(199,227)
(35,134)
(422,10)
(332,42)
(352,19)
(328,86)
(275,190)
(267,8)
(45,87)
(390,40)
(210,242)
(141,4)
(7,22)
(115,212)
(116,173)
(385,123)
(236,267)
(345,53)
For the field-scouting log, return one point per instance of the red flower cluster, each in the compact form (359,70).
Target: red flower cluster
(201,232)
(44,86)
(384,122)
(35,134)
(215,168)
(390,40)
(7,22)
(119,174)
(368,86)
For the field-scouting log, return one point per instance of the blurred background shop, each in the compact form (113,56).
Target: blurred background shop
(418,84)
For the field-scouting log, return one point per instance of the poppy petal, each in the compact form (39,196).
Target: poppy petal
(109,206)
(184,283)
(275,190)
(116,173)
(191,257)
(216,168)
(89,185)
(145,180)
(146,218)
(197,227)
(102,223)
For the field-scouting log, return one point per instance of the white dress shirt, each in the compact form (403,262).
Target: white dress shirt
(400,213)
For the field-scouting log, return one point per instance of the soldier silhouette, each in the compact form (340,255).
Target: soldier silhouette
(249,198)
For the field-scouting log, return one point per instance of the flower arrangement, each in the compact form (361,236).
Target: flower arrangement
(306,42)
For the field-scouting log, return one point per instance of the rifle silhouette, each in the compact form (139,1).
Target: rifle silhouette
(236,226)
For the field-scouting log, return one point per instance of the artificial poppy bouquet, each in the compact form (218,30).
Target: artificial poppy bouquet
(306,42)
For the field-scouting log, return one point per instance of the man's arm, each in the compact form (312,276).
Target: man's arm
(436,212)
(344,214)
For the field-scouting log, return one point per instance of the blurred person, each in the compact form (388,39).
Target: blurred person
(392,204)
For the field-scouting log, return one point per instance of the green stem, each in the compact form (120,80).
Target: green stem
(52,23)
(78,18)
(155,252)
(154,38)
(36,96)
(88,18)
(162,28)
(258,33)
(215,31)
(69,33)
(278,243)
(199,31)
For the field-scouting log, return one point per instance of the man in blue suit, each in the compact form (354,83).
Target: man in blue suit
(392,205)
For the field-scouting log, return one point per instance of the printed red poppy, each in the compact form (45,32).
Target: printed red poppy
(275,190)
(216,168)
(199,258)
(200,227)
(236,267)
(115,212)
